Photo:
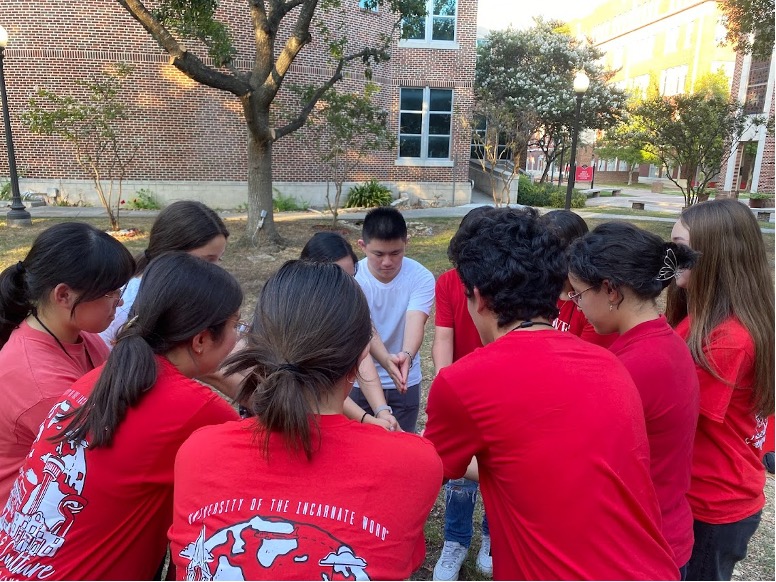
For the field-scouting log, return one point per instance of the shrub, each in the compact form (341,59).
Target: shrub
(558,199)
(5,191)
(369,194)
(283,203)
(144,200)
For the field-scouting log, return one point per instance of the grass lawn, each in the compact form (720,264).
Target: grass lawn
(428,244)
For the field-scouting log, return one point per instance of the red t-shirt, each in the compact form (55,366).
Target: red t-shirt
(572,319)
(451,311)
(34,372)
(563,457)
(664,372)
(77,513)
(728,476)
(355,511)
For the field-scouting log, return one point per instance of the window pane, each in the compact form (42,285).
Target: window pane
(439,147)
(441,100)
(412,123)
(444,7)
(409,147)
(414,28)
(439,124)
(411,100)
(444,29)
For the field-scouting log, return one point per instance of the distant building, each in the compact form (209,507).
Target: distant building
(665,44)
(750,167)
(193,138)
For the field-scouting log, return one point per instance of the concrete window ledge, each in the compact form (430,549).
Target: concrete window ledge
(444,45)
(421,163)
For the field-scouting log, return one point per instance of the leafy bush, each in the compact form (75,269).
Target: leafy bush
(5,191)
(369,194)
(546,194)
(558,199)
(144,200)
(283,203)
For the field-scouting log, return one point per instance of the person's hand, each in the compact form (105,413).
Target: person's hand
(383,422)
(393,424)
(397,368)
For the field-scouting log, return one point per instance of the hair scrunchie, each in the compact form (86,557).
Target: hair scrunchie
(20,270)
(147,255)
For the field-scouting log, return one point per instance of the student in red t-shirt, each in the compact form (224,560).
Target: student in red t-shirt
(617,272)
(52,306)
(569,226)
(299,492)
(530,392)
(93,500)
(724,310)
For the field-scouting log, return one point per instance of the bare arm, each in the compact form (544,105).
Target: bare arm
(354,412)
(442,348)
(369,383)
(389,362)
(414,325)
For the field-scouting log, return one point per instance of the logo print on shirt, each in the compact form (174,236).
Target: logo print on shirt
(757,440)
(38,527)
(272,543)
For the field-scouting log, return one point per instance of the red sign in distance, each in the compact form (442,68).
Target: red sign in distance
(584,174)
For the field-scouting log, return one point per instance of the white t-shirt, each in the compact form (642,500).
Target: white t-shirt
(122,312)
(411,290)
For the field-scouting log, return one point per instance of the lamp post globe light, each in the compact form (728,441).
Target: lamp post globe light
(581,84)
(17,215)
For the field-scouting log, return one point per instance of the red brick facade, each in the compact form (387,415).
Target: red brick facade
(190,133)
(764,170)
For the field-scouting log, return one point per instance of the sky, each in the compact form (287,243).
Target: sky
(498,14)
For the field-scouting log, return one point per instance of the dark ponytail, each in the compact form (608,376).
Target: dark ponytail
(179,297)
(182,226)
(628,256)
(303,343)
(88,260)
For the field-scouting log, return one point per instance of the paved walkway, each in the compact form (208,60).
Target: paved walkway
(668,203)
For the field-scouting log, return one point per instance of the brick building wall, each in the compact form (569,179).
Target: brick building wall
(193,138)
(763,171)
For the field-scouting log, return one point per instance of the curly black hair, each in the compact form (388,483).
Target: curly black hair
(514,261)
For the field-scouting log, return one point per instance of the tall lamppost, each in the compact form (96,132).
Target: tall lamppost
(581,83)
(18,215)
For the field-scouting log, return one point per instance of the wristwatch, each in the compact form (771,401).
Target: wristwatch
(379,409)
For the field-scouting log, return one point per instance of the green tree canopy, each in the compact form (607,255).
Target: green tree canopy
(750,25)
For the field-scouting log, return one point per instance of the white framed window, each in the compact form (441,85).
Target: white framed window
(436,27)
(672,38)
(425,124)
(672,81)
(368,5)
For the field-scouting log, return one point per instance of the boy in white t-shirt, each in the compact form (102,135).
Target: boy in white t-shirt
(400,292)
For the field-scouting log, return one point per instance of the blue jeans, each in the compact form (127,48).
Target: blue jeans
(460,497)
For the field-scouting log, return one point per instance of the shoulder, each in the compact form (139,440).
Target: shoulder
(416,269)
(409,452)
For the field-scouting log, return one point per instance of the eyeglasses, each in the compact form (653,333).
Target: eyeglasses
(575,297)
(242,328)
(115,295)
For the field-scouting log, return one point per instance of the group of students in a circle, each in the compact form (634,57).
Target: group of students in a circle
(111,448)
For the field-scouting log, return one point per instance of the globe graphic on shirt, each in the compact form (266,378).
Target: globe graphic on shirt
(286,549)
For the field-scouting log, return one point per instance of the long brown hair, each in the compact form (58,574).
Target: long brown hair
(732,279)
(310,326)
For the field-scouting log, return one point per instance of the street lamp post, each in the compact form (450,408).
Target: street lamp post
(18,215)
(581,83)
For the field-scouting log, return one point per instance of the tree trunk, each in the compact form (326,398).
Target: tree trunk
(260,193)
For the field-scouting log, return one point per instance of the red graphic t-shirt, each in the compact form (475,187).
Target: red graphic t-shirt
(728,475)
(77,513)
(563,458)
(452,312)
(572,320)
(356,511)
(664,372)
(34,372)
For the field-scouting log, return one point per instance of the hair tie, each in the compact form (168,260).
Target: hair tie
(670,268)
(147,255)
(293,368)
(20,268)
